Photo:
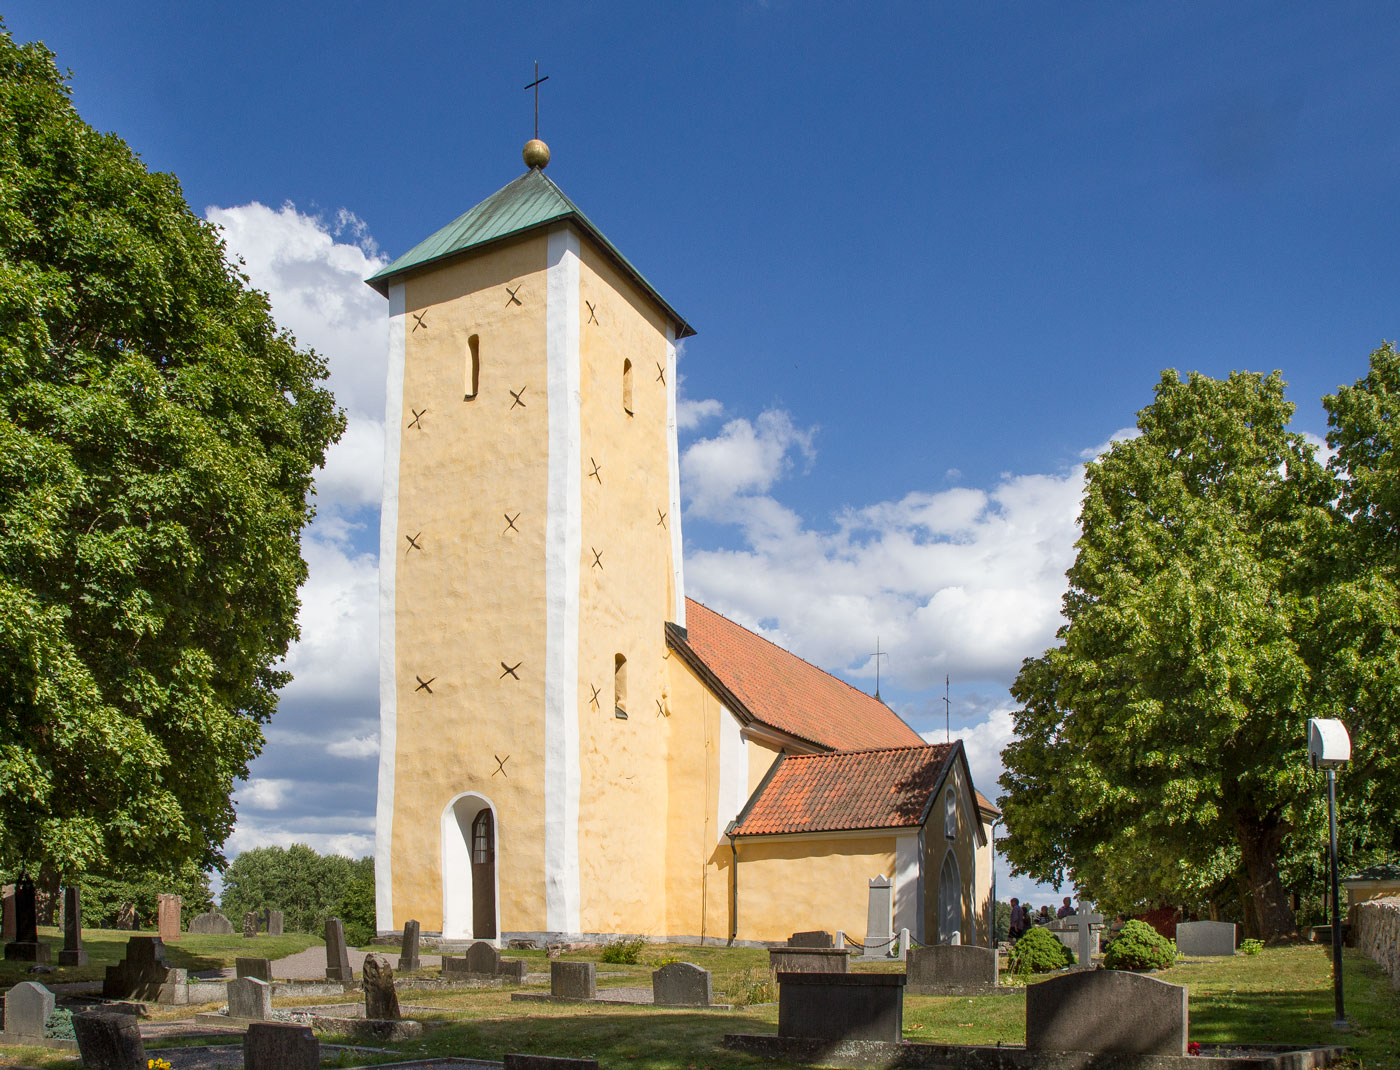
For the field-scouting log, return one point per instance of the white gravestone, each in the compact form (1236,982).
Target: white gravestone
(1086,921)
(27,1007)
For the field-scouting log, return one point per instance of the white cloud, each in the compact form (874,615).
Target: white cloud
(261,793)
(355,746)
(743,459)
(1123,434)
(690,414)
(355,841)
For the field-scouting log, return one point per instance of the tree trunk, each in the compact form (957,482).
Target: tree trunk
(1259,843)
(48,894)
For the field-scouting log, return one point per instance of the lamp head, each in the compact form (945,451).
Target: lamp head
(1329,746)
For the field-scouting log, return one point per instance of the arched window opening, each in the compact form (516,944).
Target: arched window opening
(627,387)
(473,368)
(620,687)
(950,901)
(950,814)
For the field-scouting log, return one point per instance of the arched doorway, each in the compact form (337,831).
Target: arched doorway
(469,845)
(949,899)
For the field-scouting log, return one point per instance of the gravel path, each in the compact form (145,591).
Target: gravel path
(310,965)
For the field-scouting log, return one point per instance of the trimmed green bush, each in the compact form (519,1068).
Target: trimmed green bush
(624,952)
(1138,946)
(1038,951)
(1252,947)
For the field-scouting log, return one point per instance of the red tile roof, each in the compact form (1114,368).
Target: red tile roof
(781,690)
(873,789)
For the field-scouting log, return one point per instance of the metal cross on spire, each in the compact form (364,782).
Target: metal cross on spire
(535,85)
(877,656)
(947,710)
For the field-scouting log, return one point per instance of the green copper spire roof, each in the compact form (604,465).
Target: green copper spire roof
(529,203)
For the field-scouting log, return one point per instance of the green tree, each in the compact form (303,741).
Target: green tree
(307,887)
(158,436)
(1161,750)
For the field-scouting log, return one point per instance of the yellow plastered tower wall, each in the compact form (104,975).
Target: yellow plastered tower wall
(529,561)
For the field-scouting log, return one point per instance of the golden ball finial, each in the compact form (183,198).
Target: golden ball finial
(536,154)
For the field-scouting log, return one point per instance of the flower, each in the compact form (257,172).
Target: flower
(1194,1048)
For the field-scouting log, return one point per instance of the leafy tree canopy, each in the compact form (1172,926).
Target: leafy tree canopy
(158,436)
(307,887)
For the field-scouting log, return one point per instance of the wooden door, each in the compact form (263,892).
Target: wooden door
(483,877)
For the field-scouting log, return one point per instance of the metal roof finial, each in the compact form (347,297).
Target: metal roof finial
(536,152)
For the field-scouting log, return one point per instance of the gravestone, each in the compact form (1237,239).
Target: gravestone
(211,923)
(250,997)
(1205,938)
(547,1062)
(250,925)
(7,904)
(408,953)
(811,938)
(879,919)
(168,916)
(680,984)
(72,953)
(381,999)
(1086,922)
(809,959)
(253,967)
(109,1041)
(842,1006)
(26,946)
(483,958)
(573,980)
(337,954)
(27,1007)
(944,966)
(275,1046)
(1106,1012)
(275,923)
(144,974)
(126,916)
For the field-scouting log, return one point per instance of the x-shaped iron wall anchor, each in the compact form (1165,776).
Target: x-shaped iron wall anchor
(510,523)
(660,374)
(592,312)
(423,684)
(413,542)
(501,765)
(597,558)
(597,468)
(512,299)
(420,320)
(510,670)
(417,420)
(660,519)
(594,700)
(516,395)
(660,709)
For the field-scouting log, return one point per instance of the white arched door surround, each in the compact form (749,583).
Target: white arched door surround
(949,899)
(466,878)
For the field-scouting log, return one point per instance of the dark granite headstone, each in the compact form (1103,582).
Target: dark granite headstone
(274,1046)
(211,923)
(811,938)
(250,925)
(947,966)
(381,999)
(337,954)
(253,967)
(1107,1011)
(1205,938)
(109,1041)
(144,974)
(483,958)
(573,980)
(27,1007)
(841,1006)
(274,923)
(26,946)
(680,984)
(408,953)
(72,953)
(547,1062)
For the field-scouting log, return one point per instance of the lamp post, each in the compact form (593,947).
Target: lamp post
(1329,748)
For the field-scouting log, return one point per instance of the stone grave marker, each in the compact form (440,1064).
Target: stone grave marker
(72,953)
(1106,1012)
(275,923)
(7,904)
(573,980)
(250,997)
(879,919)
(27,1007)
(1205,938)
(843,1007)
(1086,922)
(212,922)
(26,946)
(275,1046)
(945,966)
(250,925)
(811,938)
(168,916)
(483,958)
(144,974)
(109,1041)
(680,984)
(547,1062)
(337,954)
(381,998)
(253,967)
(408,953)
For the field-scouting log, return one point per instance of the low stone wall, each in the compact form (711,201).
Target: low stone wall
(1375,926)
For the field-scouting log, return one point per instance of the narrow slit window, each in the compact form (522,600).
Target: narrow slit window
(620,687)
(473,366)
(627,387)
(950,814)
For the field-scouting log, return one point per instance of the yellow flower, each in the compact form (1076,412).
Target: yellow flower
(157,1064)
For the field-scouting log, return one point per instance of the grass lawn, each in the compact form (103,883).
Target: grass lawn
(193,951)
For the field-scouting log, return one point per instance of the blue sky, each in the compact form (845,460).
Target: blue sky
(936,255)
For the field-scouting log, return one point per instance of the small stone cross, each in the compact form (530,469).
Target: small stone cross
(1085,920)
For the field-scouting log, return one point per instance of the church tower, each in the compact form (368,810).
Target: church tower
(530,558)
